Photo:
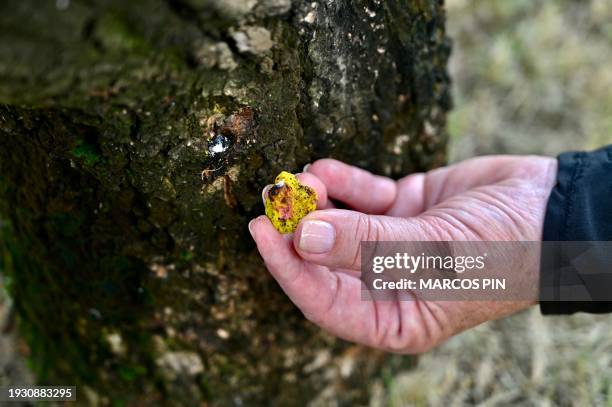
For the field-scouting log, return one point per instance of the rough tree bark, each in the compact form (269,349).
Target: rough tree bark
(135,138)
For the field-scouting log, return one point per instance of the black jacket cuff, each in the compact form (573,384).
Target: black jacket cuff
(579,210)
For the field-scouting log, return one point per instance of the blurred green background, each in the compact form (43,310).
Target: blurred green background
(529,77)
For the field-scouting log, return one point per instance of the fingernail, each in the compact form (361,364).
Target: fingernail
(306,167)
(251,223)
(317,237)
(264,193)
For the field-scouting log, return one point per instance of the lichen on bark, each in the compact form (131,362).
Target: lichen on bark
(124,227)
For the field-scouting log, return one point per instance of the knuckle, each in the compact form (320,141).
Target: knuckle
(367,228)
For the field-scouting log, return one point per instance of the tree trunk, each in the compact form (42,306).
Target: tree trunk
(135,138)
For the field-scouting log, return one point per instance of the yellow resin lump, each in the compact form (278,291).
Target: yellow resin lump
(288,201)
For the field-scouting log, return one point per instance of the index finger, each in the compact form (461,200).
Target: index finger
(358,188)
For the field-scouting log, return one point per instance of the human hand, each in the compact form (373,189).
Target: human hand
(495,198)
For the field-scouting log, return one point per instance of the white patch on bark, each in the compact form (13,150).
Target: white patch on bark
(217,54)
(253,40)
(273,7)
(310,17)
(180,363)
(115,341)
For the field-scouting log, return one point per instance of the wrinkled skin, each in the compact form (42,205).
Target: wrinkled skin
(492,198)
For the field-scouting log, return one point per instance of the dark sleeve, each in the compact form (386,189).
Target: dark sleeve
(576,268)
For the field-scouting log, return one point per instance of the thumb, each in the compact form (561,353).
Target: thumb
(332,237)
